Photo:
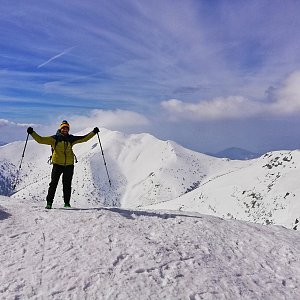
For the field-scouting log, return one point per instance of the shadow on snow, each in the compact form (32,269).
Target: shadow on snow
(4,215)
(132,214)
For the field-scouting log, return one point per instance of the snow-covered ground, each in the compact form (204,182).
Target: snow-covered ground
(113,253)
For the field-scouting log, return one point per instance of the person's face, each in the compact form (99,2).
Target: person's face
(64,130)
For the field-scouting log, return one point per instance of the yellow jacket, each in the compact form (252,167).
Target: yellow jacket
(62,146)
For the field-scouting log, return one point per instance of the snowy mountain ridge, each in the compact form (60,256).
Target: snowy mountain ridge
(147,172)
(265,191)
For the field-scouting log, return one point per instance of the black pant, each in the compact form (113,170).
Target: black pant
(67,172)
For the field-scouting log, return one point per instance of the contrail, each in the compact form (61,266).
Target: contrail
(55,57)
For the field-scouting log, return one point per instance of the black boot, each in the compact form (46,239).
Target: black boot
(49,205)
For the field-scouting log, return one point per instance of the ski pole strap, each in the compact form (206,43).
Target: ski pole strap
(49,160)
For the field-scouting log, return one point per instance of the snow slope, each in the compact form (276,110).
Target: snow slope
(112,253)
(267,191)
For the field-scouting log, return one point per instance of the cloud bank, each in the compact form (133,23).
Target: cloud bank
(11,131)
(121,120)
(285,102)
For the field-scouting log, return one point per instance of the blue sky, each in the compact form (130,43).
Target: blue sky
(207,74)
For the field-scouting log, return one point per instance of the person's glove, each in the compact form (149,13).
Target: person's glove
(96,130)
(29,130)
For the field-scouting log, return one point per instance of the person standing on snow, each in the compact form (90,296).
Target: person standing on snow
(62,158)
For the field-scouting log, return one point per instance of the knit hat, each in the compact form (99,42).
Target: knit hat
(64,123)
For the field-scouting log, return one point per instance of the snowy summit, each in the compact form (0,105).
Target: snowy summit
(112,253)
(146,236)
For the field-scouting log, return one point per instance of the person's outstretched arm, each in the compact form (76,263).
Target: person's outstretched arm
(85,138)
(47,140)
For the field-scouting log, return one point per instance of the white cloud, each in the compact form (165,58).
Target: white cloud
(288,96)
(233,107)
(286,101)
(55,57)
(122,120)
(9,124)
(11,131)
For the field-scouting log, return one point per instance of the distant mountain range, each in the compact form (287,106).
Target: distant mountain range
(149,173)
(236,153)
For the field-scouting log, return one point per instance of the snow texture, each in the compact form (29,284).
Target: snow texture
(113,253)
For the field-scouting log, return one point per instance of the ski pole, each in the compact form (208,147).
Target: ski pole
(103,158)
(17,177)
